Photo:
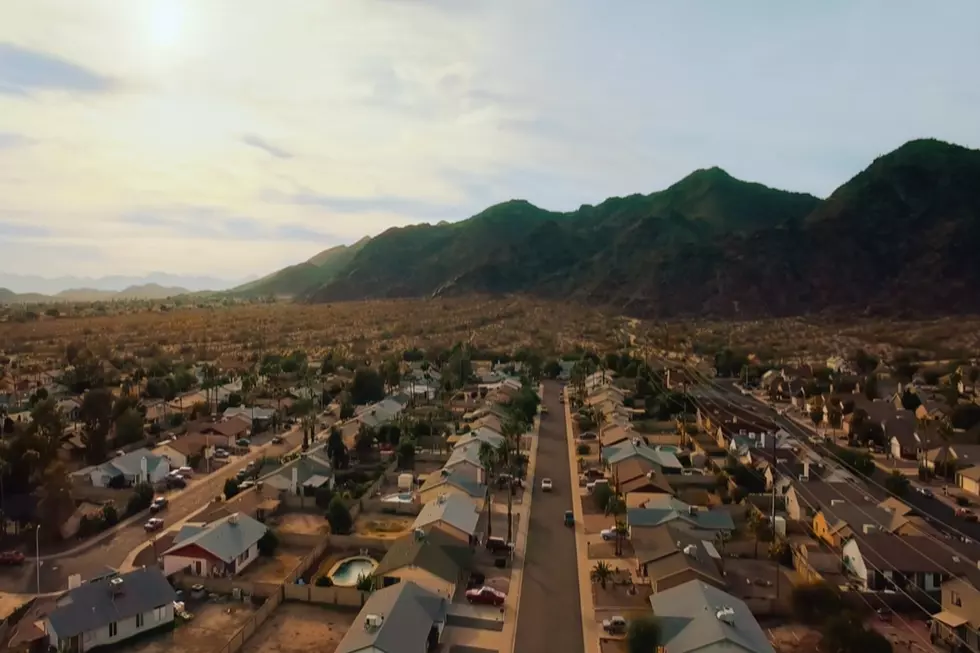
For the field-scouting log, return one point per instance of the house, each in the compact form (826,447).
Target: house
(251,414)
(886,562)
(222,548)
(816,562)
(903,438)
(805,498)
(636,478)
(137,466)
(182,451)
(110,610)
(479,436)
(402,618)
(840,521)
(233,428)
(673,554)
(304,475)
(669,510)
(447,481)
(614,434)
(452,514)
(381,412)
(933,410)
(465,461)
(956,455)
(434,560)
(969,479)
(635,449)
(699,617)
(959,621)
(70,408)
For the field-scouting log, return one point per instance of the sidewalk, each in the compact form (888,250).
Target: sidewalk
(513,602)
(590,628)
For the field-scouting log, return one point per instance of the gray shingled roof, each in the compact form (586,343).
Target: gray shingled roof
(222,538)
(454,509)
(689,621)
(92,605)
(408,612)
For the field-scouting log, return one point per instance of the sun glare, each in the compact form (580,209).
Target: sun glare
(165,24)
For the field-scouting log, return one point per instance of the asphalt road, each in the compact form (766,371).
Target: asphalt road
(550,614)
(112,551)
(933,508)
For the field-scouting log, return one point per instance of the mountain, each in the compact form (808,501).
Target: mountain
(19,283)
(899,238)
(305,276)
(146,291)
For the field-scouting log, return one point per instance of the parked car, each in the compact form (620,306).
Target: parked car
(965,513)
(592,473)
(546,485)
(608,534)
(159,503)
(926,492)
(499,545)
(592,485)
(569,518)
(220,453)
(11,558)
(185,471)
(243,442)
(589,435)
(486,595)
(176,481)
(153,524)
(246,485)
(615,625)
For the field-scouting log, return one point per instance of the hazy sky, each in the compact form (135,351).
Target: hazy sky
(231,137)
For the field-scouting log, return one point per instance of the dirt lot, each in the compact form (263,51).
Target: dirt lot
(386,526)
(301,627)
(599,550)
(213,625)
(275,569)
(302,523)
(617,592)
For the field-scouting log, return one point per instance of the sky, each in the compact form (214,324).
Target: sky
(232,137)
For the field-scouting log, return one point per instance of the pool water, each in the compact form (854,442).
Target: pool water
(401,497)
(346,572)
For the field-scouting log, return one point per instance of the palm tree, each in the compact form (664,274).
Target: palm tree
(488,460)
(509,459)
(616,507)
(601,573)
(622,531)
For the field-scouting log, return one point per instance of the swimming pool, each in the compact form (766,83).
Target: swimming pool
(401,497)
(346,572)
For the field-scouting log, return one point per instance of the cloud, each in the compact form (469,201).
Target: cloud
(20,231)
(23,71)
(406,207)
(261,144)
(10,140)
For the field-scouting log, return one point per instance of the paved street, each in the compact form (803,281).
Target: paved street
(112,551)
(550,616)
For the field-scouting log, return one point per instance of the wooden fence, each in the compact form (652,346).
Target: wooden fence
(350,597)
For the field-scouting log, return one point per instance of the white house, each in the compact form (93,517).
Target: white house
(134,467)
(222,548)
(110,609)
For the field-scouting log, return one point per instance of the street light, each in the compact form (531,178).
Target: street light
(37,549)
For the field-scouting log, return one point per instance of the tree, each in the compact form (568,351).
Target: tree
(231,488)
(129,427)
(367,386)
(364,441)
(365,582)
(488,460)
(268,543)
(602,495)
(759,526)
(910,400)
(871,387)
(897,483)
(141,499)
(55,505)
(815,603)
(406,453)
(339,517)
(601,573)
(336,449)
(846,633)
(643,635)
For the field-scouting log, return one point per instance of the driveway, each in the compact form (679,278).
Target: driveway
(550,614)
(89,558)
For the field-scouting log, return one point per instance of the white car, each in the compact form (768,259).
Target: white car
(608,534)
(546,485)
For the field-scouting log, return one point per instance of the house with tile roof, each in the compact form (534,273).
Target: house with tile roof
(402,618)
(139,466)
(222,548)
(697,616)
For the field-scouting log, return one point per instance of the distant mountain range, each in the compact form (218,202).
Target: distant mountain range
(303,277)
(900,238)
(53,285)
(145,291)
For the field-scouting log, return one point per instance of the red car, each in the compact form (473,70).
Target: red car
(11,558)
(486,595)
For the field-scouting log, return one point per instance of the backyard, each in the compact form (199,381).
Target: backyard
(301,627)
(214,623)
(274,569)
(382,525)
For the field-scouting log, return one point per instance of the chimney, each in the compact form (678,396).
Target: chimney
(373,622)
(233,518)
(116,586)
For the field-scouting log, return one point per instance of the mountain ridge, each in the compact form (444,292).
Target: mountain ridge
(147,291)
(709,244)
